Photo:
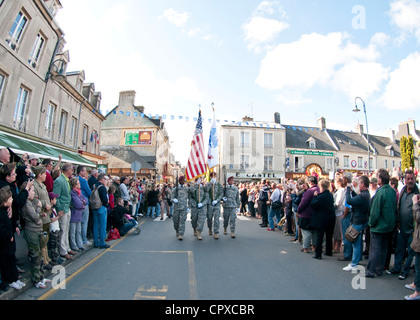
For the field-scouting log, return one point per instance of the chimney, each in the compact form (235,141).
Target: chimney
(277,118)
(127,98)
(359,129)
(392,135)
(247,119)
(322,123)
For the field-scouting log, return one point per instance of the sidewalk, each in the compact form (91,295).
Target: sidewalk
(23,263)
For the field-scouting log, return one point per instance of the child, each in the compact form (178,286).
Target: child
(122,220)
(8,270)
(54,231)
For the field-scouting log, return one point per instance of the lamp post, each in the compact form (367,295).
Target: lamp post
(356,109)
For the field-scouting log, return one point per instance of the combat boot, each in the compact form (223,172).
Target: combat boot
(232,235)
(199,237)
(210,233)
(180,238)
(216,236)
(195,232)
(225,231)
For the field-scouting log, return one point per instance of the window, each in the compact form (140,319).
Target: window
(244,139)
(49,121)
(298,163)
(63,126)
(20,109)
(268,163)
(36,50)
(329,163)
(18,27)
(85,137)
(2,86)
(386,164)
(268,140)
(73,131)
(244,162)
(360,162)
(346,162)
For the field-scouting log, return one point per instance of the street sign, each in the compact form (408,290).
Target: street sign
(136,166)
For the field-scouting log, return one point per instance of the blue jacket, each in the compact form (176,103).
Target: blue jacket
(84,186)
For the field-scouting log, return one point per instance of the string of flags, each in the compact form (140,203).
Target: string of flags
(210,121)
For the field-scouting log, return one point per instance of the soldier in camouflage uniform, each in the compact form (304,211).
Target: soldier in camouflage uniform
(198,204)
(180,211)
(230,206)
(215,191)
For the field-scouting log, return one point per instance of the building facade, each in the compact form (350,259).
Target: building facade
(251,151)
(43,109)
(128,135)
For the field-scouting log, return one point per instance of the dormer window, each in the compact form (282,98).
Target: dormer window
(390,150)
(311,143)
(353,143)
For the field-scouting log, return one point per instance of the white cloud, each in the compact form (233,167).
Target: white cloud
(405,14)
(330,60)
(402,91)
(176,17)
(201,34)
(266,22)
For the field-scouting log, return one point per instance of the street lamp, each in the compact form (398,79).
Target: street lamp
(367,128)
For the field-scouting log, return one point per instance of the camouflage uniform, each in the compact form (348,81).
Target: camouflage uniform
(215,191)
(230,207)
(180,210)
(198,195)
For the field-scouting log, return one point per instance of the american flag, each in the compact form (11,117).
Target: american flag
(197,162)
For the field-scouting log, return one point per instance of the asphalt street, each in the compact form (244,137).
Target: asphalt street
(256,265)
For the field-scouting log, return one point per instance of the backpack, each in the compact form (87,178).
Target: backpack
(95,201)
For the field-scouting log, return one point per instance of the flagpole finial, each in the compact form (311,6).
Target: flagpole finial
(212,105)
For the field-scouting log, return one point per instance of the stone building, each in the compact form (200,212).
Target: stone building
(129,135)
(43,109)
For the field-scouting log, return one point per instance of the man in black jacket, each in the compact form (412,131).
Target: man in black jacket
(100,215)
(360,213)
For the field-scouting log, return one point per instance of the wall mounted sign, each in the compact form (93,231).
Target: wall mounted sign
(311,153)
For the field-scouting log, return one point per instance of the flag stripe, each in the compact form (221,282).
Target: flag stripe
(196,162)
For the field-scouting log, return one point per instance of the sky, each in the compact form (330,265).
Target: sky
(305,59)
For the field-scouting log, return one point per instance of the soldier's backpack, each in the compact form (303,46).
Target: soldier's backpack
(95,201)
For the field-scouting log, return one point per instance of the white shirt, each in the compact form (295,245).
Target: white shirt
(276,195)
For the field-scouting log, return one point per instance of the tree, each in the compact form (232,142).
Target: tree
(407,152)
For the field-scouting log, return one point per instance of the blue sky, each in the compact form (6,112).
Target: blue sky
(302,58)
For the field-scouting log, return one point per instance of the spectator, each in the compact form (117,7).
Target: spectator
(93,179)
(243,194)
(111,197)
(116,183)
(121,218)
(100,215)
(34,236)
(62,188)
(54,237)
(78,203)
(264,198)
(41,194)
(296,199)
(8,269)
(49,181)
(152,200)
(382,224)
(125,195)
(323,218)
(288,211)
(406,227)
(339,199)
(415,246)
(305,212)
(346,220)
(4,156)
(360,214)
(276,196)
(134,197)
(251,199)
(82,174)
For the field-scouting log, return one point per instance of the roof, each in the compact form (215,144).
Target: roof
(297,137)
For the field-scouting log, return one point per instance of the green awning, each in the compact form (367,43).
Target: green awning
(21,145)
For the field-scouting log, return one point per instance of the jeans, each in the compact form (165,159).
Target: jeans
(358,244)
(274,212)
(403,243)
(417,268)
(99,226)
(348,247)
(377,252)
(127,227)
(308,238)
(85,222)
(297,225)
(75,233)
(158,209)
(153,209)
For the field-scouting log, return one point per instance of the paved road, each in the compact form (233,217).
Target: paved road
(257,265)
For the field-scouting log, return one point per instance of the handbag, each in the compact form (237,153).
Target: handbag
(276,205)
(351,234)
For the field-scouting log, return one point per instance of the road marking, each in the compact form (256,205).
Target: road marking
(139,294)
(49,293)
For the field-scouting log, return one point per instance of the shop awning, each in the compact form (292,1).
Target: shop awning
(20,145)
